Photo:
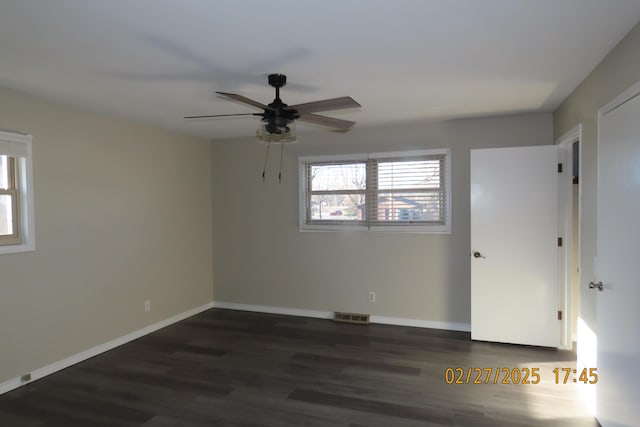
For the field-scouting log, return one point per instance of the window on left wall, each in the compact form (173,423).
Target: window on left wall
(9,201)
(16,193)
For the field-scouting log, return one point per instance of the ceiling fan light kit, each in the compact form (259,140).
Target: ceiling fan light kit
(278,119)
(268,134)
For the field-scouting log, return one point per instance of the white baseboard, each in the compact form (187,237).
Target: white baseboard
(274,310)
(94,351)
(464,327)
(417,323)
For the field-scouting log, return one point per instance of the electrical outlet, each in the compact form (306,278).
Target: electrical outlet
(372,296)
(147,306)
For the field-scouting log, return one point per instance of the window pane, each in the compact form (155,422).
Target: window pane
(4,172)
(6,215)
(338,207)
(345,176)
(396,175)
(427,206)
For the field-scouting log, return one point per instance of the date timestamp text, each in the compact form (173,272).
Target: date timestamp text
(506,375)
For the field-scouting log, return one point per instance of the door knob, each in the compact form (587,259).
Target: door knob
(597,286)
(477,254)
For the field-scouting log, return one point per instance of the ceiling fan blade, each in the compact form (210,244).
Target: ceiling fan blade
(245,100)
(326,105)
(211,116)
(338,124)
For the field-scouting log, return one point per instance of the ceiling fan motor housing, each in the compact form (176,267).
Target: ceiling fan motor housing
(278,116)
(277,80)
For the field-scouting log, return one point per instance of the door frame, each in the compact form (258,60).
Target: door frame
(616,102)
(567,263)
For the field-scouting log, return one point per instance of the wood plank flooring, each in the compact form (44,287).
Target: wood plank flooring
(232,368)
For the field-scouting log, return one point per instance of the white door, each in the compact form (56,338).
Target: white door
(514,245)
(618,267)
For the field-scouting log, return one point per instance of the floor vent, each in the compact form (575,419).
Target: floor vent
(361,319)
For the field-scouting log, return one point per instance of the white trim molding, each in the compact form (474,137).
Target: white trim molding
(619,100)
(566,260)
(572,135)
(101,348)
(274,310)
(418,323)
(317,314)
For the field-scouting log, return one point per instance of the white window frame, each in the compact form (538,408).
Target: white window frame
(408,228)
(18,146)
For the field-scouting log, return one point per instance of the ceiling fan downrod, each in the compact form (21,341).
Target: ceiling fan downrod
(278,117)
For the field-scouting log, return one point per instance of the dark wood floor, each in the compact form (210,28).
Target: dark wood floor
(230,368)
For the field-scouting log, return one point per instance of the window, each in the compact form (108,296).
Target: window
(407,191)
(16,198)
(9,219)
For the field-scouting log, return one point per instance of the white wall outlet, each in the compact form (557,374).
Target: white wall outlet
(372,296)
(147,306)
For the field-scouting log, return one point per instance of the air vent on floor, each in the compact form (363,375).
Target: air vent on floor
(361,319)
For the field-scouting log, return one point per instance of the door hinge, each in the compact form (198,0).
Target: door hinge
(559,167)
(559,242)
(559,315)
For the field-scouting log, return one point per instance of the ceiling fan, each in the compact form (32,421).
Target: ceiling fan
(279,118)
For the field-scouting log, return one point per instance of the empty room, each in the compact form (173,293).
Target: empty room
(341,213)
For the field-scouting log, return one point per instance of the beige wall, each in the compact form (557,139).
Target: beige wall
(122,214)
(261,258)
(617,72)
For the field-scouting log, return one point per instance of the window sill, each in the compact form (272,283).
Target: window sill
(398,229)
(12,249)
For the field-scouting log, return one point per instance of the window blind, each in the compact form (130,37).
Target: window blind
(405,191)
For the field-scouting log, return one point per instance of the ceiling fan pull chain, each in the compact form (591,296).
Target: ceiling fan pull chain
(281,156)
(266,158)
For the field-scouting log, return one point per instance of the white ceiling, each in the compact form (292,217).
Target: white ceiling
(156,61)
